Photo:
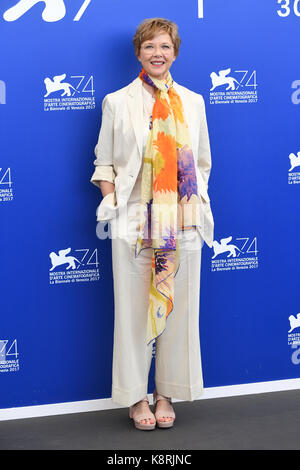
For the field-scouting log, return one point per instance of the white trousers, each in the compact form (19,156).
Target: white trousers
(178,368)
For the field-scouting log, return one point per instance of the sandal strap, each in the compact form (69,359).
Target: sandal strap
(140,416)
(162,413)
(157,397)
(143,399)
(162,397)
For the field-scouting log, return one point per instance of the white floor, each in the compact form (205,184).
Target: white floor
(106,403)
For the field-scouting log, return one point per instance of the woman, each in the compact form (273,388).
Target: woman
(153,164)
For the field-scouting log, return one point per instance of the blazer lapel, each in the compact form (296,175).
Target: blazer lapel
(136,111)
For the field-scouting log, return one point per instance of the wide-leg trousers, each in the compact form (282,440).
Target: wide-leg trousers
(178,368)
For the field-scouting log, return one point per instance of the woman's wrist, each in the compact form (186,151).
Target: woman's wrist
(106,187)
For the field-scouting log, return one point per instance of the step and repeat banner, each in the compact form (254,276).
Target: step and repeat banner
(58,61)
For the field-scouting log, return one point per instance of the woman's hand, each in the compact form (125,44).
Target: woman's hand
(106,187)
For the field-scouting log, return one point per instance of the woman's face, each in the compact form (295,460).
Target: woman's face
(157,55)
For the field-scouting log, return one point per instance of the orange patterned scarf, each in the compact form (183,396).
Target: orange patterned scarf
(169,197)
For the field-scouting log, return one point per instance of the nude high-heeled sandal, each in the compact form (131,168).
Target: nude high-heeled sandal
(158,415)
(138,417)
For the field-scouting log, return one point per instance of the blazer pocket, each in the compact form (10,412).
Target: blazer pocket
(107,208)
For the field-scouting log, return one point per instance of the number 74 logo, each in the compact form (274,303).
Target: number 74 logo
(54,10)
(7,349)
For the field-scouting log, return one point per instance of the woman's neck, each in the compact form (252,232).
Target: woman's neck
(149,88)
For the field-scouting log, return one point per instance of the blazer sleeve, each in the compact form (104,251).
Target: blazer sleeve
(204,154)
(104,168)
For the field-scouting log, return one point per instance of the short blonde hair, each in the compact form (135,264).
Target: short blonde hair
(147,29)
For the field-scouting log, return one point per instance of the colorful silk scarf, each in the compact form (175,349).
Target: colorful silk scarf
(169,198)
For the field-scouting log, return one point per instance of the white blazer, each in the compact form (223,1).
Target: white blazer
(119,148)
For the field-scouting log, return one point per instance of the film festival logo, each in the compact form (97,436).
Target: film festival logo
(294,176)
(66,268)
(227,256)
(228,87)
(65,97)
(6,190)
(54,10)
(294,338)
(9,360)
